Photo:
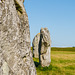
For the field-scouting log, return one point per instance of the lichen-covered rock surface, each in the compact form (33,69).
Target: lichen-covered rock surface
(35,45)
(15,52)
(44,47)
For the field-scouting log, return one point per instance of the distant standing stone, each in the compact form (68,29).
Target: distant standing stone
(35,45)
(44,47)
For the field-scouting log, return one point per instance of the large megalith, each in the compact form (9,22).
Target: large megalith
(35,45)
(15,51)
(44,47)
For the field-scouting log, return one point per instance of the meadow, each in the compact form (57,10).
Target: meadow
(62,62)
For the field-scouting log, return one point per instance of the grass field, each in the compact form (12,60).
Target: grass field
(63,49)
(62,63)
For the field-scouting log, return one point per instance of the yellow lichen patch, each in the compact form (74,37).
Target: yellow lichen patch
(38,33)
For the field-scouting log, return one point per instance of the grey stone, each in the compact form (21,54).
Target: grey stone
(35,45)
(15,52)
(44,47)
(5,68)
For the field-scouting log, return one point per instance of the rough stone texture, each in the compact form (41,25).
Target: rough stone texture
(44,47)
(35,45)
(15,52)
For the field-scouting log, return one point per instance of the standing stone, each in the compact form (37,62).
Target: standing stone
(44,47)
(35,45)
(15,51)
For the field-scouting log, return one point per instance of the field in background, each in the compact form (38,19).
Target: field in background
(63,49)
(62,62)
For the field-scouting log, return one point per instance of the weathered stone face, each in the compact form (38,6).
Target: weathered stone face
(35,45)
(44,47)
(15,53)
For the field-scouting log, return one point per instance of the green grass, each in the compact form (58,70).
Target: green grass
(63,49)
(62,63)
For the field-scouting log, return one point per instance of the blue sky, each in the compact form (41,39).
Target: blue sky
(57,15)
